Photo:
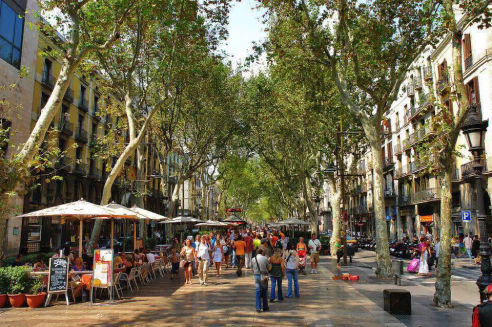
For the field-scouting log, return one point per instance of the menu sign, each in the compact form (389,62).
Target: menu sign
(103,268)
(58,275)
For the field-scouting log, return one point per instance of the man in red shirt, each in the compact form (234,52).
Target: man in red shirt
(248,250)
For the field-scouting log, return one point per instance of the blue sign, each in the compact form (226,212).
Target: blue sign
(466,216)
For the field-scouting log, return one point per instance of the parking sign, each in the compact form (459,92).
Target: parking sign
(466,216)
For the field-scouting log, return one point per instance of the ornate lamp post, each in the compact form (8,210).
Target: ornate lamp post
(474,129)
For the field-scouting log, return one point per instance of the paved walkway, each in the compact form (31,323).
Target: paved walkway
(228,301)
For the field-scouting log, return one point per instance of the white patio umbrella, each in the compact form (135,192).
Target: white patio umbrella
(182,220)
(124,212)
(77,210)
(212,223)
(148,214)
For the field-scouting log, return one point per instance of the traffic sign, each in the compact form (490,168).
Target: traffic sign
(466,215)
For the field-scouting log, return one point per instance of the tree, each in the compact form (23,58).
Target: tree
(88,25)
(367,48)
(440,148)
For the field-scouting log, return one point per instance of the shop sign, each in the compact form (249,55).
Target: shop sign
(426,219)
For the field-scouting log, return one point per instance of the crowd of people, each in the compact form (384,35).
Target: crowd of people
(268,254)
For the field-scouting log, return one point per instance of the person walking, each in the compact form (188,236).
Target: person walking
(424,257)
(248,251)
(276,274)
(218,254)
(203,257)
(188,255)
(437,248)
(240,247)
(475,247)
(260,272)
(314,246)
(468,245)
(291,262)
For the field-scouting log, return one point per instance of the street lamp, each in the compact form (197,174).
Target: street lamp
(474,129)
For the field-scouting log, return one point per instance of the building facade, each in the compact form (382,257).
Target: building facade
(412,195)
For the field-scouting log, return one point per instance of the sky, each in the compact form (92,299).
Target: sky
(245,27)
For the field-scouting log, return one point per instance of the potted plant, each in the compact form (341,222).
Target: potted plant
(36,298)
(4,286)
(20,282)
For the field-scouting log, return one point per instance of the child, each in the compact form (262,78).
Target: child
(174,263)
(218,258)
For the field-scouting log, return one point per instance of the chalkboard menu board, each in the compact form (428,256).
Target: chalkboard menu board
(58,277)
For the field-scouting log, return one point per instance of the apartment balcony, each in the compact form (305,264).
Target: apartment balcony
(428,73)
(406,144)
(64,164)
(404,200)
(68,95)
(83,105)
(478,57)
(401,172)
(81,136)
(416,166)
(397,150)
(388,163)
(428,195)
(65,127)
(79,169)
(48,81)
(417,82)
(94,173)
(443,85)
(410,89)
(471,168)
(389,193)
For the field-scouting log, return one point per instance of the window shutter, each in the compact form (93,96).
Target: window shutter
(477,92)
(467,46)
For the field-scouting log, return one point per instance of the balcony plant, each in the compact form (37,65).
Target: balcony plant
(4,286)
(19,283)
(36,298)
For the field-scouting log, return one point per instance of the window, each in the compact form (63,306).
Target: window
(81,122)
(472,91)
(47,70)
(96,104)
(11,30)
(467,50)
(442,71)
(82,94)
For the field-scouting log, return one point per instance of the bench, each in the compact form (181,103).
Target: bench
(397,301)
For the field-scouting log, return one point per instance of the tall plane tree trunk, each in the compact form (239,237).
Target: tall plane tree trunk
(116,170)
(442,296)
(175,198)
(383,260)
(335,199)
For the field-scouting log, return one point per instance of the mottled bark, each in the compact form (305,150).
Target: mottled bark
(383,260)
(442,296)
(335,198)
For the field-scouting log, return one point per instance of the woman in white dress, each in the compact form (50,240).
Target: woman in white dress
(217,254)
(424,256)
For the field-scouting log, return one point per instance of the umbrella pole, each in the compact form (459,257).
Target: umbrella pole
(81,233)
(112,232)
(134,236)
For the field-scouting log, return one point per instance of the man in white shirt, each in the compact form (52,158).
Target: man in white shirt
(314,246)
(150,257)
(468,245)
(203,256)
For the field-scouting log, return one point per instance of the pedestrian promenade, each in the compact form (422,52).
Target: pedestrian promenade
(228,301)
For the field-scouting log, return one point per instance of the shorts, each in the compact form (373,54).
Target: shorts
(240,258)
(315,257)
(187,264)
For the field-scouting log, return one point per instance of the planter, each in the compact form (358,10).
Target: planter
(3,300)
(35,301)
(17,300)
